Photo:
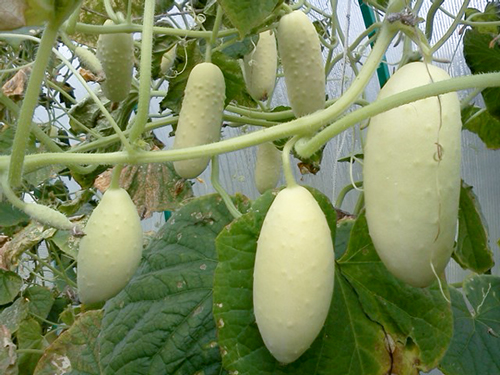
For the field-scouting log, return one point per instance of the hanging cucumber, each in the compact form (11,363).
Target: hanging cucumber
(300,52)
(116,54)
(260,67)
(111,249)
(200,118)
(293,274)
(267,167)
(412,178)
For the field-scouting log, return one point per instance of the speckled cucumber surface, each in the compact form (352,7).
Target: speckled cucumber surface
(300,52)
(116,54)
(412,178)
(111,249)
(293,274)
(200,119)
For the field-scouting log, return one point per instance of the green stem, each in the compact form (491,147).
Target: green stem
(248,120)
(299,126)
(145,72)
(213,36)
(115,177)
(214,177)
(345,191)
(452,28)
(465,101)
(359,204)
(10,195)
(110,11)
(287,167)
(429,21)
(29,103)
(382,105)
(135,28)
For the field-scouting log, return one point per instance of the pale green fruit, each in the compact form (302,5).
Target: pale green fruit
(412,178)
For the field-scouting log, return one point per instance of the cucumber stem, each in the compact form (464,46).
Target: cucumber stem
(285,157)
(346,189)
(214,178)
(29,103)
(309,122)
(115,177)
(145,72)
(213,37)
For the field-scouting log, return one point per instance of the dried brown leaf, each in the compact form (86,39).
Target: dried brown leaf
(12,14)
(152,187)
(15,86)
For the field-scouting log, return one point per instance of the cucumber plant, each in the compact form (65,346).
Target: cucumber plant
(271,285)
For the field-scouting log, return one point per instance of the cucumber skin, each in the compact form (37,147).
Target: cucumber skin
(293,274)
(300,52)
(200,118)
(116,54)
(267,167)
(111,250)
(412,199)
(260,67)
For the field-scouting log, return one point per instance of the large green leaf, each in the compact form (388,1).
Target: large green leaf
(162,322)
(419,319)
(75,350)
(41,301)
(29,336)
(11,284)
(483,58)
(482,123)
(472,251)
(350,343)
(475,347)
(247,14)
(10,215)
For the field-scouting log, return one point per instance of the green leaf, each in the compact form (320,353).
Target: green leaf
(482,123)
(237,49)
(11,216)
(29,336)
(475,347)
(6,138)
(12,316)
(472,251)
(11,284)
(411,316)
(8,356)
(75,350)
(350,343)
(40,299)
(247,14)
(481,58)
(162,323)
(236,89)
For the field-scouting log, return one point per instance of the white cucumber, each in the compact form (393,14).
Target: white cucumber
(267,167)
(89,60)
(412,178)
(116,54)
(48,216)
(300,52)
(111,249)
(293,274)
(260,67)
(168,59)
(200,118)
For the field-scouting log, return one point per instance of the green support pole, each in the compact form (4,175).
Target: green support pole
(369,19)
